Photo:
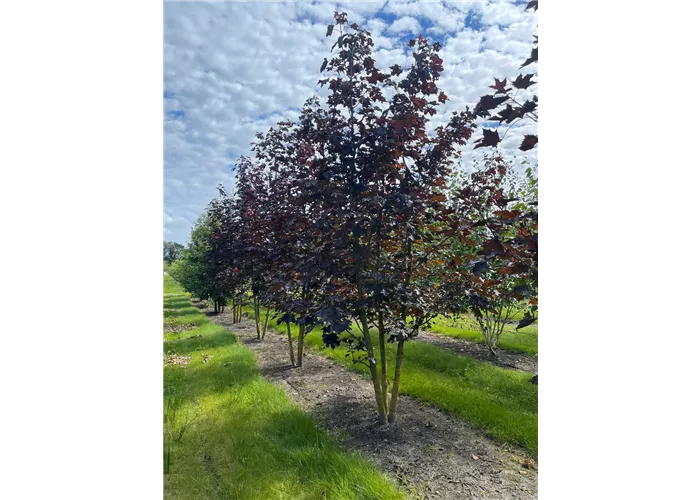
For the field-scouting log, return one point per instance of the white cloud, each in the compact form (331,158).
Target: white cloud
(502,13)
(403,25)
(232,69)
(442,16)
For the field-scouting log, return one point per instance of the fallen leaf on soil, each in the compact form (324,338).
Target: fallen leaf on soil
(526,462)
(175,359)
(475,457)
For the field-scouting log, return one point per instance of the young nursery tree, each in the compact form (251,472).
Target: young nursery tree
(225,251)
(494,246)
(377,187)
(297,253)
(172,251)
(195,271)
(253,239)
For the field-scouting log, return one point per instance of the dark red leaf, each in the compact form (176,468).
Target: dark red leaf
(529,106)
(487,103)
(507,214)
(531,59)
(527,320)
(500,86)
(493,247)
(490,138)
(523,82)
(509,114)
(529,142)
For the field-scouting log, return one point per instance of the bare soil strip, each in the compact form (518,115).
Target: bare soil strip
(505,359)
(430,453)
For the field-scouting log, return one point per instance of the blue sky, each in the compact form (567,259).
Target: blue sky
(231,69)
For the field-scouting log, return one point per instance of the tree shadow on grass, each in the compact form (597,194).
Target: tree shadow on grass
(213,367)
(188,345)
(177,302)
(212,313)
(257,452)
(180,312)
(306,452)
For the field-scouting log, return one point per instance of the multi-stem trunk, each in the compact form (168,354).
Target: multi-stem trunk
(484,326)
(291,343)
(397,382)
(300,345)
(382,355)
(378,394)
(302,332)
(399,350)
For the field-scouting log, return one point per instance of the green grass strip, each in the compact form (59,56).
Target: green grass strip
(524,340)
(228,433)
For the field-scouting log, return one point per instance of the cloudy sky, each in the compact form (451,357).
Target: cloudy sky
(231,69)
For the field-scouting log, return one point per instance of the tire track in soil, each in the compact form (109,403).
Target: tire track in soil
(428,452)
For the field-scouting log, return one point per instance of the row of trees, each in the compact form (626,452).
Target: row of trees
(172,251)
(354,220)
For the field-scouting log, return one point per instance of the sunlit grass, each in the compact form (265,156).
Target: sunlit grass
(523,340)
(230,434)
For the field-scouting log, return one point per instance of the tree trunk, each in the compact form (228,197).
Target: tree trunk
(378,395)
(291,343)
(300,345)
(397,381)
(382,355)
(267,318)
(256,313)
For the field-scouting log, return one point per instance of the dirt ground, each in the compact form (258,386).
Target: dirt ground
(431,454)
(505,359)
